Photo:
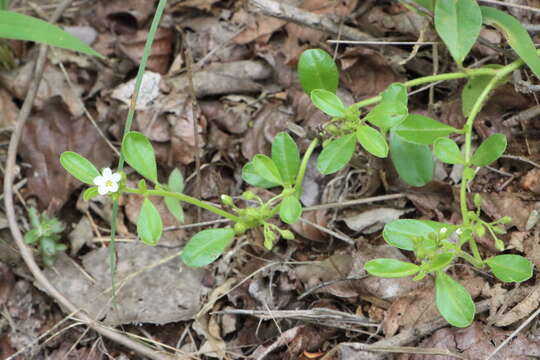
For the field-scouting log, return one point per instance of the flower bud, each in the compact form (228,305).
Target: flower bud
(287,234)
(240,228)
(227,200)
(506,220)
(248,195)
(477,200)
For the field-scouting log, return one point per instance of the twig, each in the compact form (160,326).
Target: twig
(517,6)
(368,200)
(26,252)
(347,239)
(520,158)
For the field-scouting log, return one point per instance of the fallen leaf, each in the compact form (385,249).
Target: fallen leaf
(370,221)
(46,135)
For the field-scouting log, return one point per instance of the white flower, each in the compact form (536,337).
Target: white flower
(442,231)
(459,231)
(107,182)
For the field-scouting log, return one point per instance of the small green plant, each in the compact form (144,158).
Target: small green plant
(45,232)
(387,129)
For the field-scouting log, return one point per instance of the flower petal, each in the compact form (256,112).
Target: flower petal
(99,180)
(103,189)
(113,187)
(107,172)
(116,177)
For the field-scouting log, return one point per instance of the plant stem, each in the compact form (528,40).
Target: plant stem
(185,198)
(473,260)
(433,78)
(303,166)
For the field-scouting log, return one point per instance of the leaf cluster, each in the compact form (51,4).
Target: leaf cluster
(45,231)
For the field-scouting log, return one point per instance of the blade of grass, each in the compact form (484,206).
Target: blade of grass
(127,128)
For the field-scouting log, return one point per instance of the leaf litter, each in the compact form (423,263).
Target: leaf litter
(246,87)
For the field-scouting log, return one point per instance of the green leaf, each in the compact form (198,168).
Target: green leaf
(510,268)
(336,154)
(175,208)
(149,224)
(90,193)
(401,233)
(176,181)
(447,151)
(286,156)
(266,168)
(22,27)
(390,268)
(79,167)
(458,23)
(329,103)
(397,93)
(252,177)
(176,184)
(387,114)
(290,209)
(453,301)
(372,140)
(422,130)
(139,154)
(515,33)
(472,90)
(317,70)
(490,150)
(413,162)
(32,236)
(206,246)
(440,261)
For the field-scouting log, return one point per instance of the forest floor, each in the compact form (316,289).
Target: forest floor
(308,298)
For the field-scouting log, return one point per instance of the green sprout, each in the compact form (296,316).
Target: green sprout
(45,232)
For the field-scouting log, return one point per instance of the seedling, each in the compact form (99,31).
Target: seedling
(45,232)
(387,129)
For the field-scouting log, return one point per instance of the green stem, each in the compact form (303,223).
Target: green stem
(433,78)
(473,260)
(185,198)
(303,166)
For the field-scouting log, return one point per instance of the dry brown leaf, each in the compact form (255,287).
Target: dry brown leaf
(519,206)
(368,73)
(52,84)
(46,135)
(121,15)
(310,232)
(476,342)
(224,78)
(9,110)
(531,181)
(131,45)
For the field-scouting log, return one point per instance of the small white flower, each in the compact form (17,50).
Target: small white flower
(459,231)
(107,182)
(443,231)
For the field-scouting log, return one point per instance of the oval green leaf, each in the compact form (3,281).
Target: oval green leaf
(390,268)
(387,114)
(420,129)
(511,268)
(22,27)
(149,224)
(79,167)
(317,70)
(290,209)
(266,168)
(413,162)
(372,140)
(328,102)
(515,33)
(458,23)
(286,156)
(176,181)
(447,151)
(440,261)
(252,177)
(401,233)
(206,246)
(397,93)
(490,150)
(139,154)
(453,301)
(336,154)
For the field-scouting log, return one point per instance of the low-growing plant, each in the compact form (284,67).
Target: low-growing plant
(386,129)
(45,232)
